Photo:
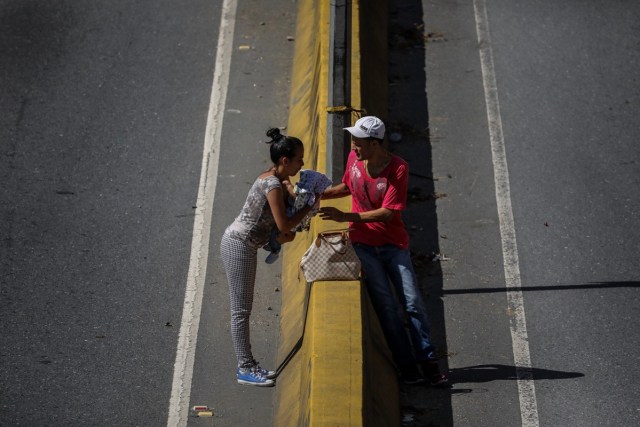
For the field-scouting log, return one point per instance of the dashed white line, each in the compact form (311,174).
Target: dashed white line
(519,336)
(185,353)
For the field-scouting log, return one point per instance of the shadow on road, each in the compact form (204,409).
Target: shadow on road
(408,131)
(494,372)
(595,285)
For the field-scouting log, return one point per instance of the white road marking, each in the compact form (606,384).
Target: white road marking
(185,353)
(519,337)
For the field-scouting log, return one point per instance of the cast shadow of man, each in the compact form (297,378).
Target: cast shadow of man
(495,372)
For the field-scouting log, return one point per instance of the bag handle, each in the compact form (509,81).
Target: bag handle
(337,231)
(344,232)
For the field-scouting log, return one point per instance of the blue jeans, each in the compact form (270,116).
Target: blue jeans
(386,266)
(273,245)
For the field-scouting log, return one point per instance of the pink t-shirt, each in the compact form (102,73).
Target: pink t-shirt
(388,190)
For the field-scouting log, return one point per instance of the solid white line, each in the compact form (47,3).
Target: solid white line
(519,337)
(185,353)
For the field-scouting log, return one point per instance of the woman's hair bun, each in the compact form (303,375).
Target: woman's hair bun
(274,134)
(282,145)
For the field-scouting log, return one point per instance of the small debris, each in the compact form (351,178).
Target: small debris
(276,290)
(244,47)
(201,411)
(440,257)
(269,308)
(407,419)
(435,37)
(438,195)
(290,38)
(168,324)
(546,224)
(421,259)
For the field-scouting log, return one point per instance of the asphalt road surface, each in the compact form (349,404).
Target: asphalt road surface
(566,93)
(103,116)
(104,108)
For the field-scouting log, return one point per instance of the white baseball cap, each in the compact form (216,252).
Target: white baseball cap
(367,127)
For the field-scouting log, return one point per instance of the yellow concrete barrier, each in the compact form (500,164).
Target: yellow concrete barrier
(335,368)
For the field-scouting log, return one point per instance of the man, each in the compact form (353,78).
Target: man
(377,181)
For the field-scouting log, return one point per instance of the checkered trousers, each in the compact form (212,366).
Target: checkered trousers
(240,262)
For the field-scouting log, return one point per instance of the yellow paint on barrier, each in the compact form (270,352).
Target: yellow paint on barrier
(339,372)
(309,82)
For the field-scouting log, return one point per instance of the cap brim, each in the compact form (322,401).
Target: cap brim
(357,132)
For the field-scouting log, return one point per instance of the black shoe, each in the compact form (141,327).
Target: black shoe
(409,374)
(431,371)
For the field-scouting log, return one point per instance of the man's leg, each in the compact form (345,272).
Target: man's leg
(387,310)
(403,277)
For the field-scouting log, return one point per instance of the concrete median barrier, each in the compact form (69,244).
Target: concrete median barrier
(335,368)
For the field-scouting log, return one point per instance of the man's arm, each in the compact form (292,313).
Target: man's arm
(337,191)
(376,215)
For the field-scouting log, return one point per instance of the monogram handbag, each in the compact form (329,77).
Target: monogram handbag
(331,257)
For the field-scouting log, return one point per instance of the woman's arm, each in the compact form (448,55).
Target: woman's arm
(291,191)
(276,203)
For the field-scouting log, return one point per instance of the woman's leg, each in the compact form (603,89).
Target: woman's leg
(240,261)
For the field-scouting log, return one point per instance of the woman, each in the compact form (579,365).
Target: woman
(264,208)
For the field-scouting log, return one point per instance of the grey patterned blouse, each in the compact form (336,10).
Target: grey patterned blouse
(255,221)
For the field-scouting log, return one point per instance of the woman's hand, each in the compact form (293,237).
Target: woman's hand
(291,191)
(333,214)
(285,237)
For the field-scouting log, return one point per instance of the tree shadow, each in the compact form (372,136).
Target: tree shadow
(499,289)
(497,372)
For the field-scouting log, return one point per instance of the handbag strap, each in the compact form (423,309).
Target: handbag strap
(336,231)
(323,234)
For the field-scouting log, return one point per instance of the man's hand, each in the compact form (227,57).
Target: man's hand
(333,214)
(376,215)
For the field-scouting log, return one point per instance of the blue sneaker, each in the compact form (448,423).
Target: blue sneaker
(265,372)
(252,376)
(272,257)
